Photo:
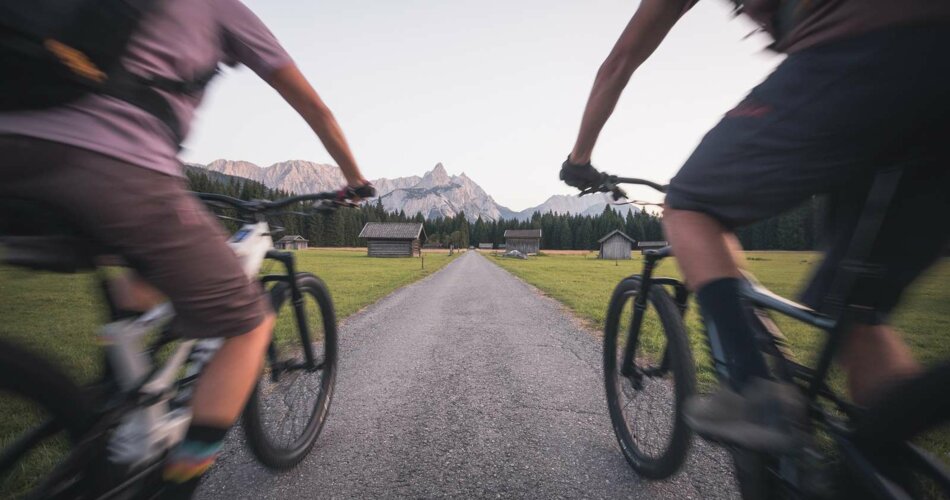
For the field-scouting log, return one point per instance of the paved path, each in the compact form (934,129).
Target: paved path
(466,384)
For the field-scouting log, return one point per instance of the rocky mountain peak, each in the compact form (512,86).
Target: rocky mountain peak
(436,194)
(437,177)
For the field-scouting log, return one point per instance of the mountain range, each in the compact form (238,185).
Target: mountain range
(435,194)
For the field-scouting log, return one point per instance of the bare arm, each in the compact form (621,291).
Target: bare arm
(297,91)
(648,27)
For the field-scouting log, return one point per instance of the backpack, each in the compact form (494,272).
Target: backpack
(53,52)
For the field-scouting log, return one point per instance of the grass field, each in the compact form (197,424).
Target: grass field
(57,315)
(584,284)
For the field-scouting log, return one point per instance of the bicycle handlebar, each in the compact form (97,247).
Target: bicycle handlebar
(610,184)
(257,206)
(630,180)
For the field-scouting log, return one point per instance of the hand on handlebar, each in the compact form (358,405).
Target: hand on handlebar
(588,180)
(357,193)
(580,176)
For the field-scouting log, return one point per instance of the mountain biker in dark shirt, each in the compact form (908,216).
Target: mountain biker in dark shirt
(864,88)
(115,168)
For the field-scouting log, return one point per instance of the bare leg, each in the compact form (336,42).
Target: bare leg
(226,382)
(873,358)
(704,249)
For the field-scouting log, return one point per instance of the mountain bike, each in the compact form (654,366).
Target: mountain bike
(649,372)
(108,439)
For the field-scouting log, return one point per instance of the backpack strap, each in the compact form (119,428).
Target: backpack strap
(143,92)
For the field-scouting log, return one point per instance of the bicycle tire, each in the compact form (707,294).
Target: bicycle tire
(681,365)
(284,456)
(34,379)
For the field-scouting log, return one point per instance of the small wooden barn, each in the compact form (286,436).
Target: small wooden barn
(651,245)
(526,241)
(393,239)
(616,245)
(291,242)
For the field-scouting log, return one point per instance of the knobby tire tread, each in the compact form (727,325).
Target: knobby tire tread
(681,363)
(285,458)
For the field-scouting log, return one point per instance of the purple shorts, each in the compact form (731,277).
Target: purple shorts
(151,221)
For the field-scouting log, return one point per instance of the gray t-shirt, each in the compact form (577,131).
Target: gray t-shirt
(181,40)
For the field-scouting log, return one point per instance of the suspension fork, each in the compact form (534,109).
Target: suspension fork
(300,311)
(628,368)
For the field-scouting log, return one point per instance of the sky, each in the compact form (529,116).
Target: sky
(491,88)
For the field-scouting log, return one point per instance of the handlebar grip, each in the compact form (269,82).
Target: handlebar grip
(365,191)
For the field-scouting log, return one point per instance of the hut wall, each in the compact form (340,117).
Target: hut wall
(616,247)
(392,248)
(526,246)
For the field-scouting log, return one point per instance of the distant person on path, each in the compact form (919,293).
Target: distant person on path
(864,88)
(114,167)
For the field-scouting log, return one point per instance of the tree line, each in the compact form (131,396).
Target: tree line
(794,230)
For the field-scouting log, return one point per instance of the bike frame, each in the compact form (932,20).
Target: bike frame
(838,312)
(153,426)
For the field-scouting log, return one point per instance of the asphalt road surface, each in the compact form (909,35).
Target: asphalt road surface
(467,384)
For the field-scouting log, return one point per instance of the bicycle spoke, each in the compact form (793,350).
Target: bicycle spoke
(290,401)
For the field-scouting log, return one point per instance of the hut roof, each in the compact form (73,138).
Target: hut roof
(523,233)
(392,230)
(291,237)
(616,231)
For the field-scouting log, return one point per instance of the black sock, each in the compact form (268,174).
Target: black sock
(728,323)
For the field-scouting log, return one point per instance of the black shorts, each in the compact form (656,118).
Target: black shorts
(825,122)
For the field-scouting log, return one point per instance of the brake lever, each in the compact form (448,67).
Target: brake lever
(609,185)
(618,193)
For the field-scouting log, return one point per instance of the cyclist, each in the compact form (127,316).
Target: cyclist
(114,166)
(864,87)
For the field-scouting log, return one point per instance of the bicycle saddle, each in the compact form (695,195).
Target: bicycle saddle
(41,237)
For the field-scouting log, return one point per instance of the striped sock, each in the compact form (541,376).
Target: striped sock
(191,459)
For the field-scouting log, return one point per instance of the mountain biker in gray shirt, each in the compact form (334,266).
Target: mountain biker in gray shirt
(115,168)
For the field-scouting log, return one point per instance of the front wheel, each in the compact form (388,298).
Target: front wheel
(43,453)
(287,409)
(646,403)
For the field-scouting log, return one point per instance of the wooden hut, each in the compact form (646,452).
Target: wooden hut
(291,242)
(526,241)
(616,245)
(651,245)
(393,239)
